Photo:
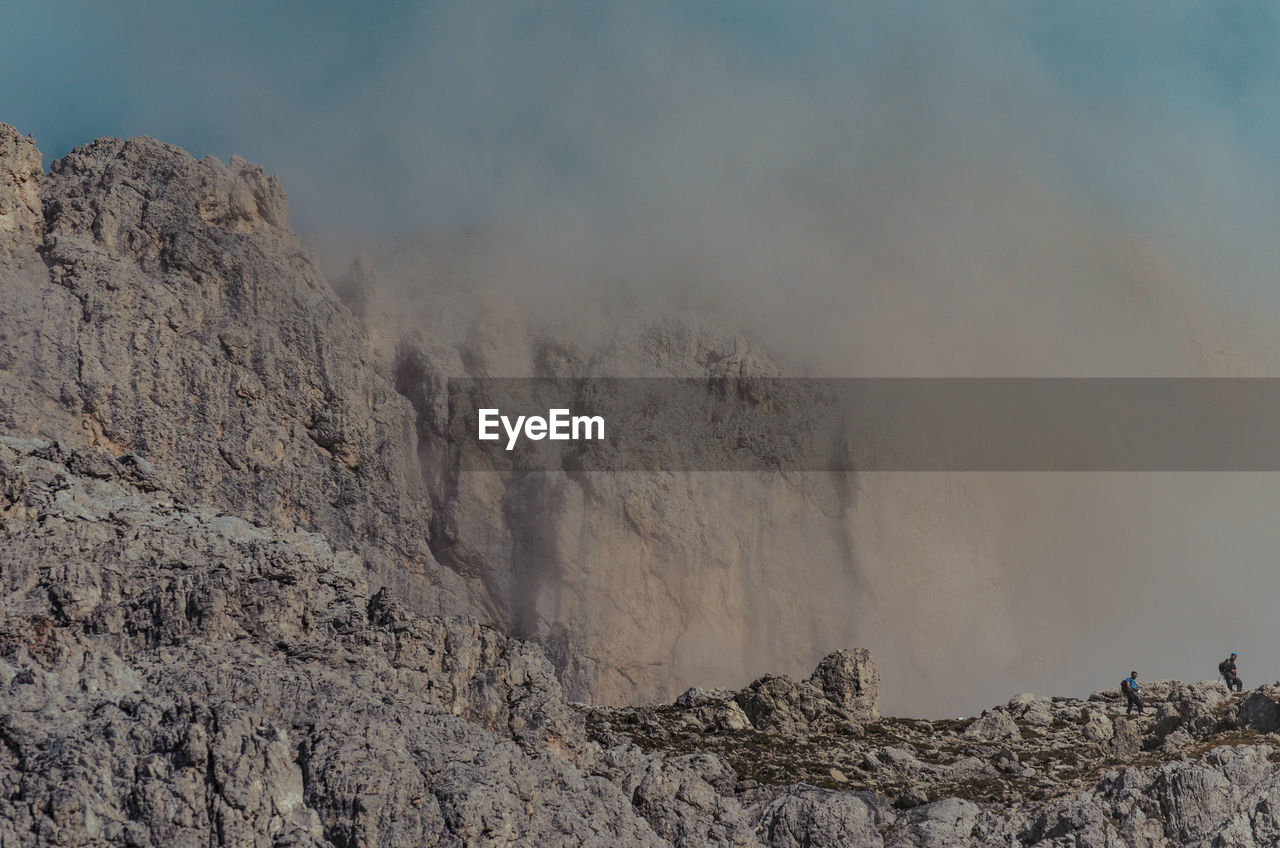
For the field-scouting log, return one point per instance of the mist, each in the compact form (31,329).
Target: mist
(1007,189)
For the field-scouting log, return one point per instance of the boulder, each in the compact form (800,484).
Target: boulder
(942,824)
(850,681)
(815,817)
(1095,726)
(1258,712)
(1038,714)
(779,703)
(1125,739)
(843,692)
(992,726)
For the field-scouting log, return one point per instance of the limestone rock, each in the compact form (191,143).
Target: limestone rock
(992,726)
(1096,726)
(536,539)
(779,703)
(1125,739)
(21,210)
(1030,709)
(171,675)
(227,516)
(938,825)
(1039,714)
(696,696)
(683,800)
(849,680)
(1258,712)
(161,308)
(1175,741)
(814,817)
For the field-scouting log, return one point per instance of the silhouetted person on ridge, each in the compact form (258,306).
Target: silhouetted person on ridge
(1227,668)
(1129,686)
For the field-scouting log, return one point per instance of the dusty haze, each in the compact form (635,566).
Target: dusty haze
(999,191)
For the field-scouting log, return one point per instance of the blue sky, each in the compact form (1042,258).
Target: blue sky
(394,114)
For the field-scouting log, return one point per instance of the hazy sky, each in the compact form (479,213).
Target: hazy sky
(1008,188)
(394,114)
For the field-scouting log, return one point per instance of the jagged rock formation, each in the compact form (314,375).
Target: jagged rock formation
(1199,768)
(174,675)
(161,307)
(228,581)
(21,211)
(699,558)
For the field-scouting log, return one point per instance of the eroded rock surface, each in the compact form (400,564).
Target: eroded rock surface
(21,210)
(186,674)
(174,675)
(232,545)
(700,547)
(159,306)
(1179,774)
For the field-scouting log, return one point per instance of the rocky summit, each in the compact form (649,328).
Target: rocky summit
(248,600)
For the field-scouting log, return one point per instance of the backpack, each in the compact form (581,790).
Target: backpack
(1124,686)
(1222,667)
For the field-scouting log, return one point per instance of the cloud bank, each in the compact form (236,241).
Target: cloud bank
(1004,189)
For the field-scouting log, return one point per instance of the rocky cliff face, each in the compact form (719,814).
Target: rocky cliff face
(173,675)
(159,306)
(247,596)
(638,583)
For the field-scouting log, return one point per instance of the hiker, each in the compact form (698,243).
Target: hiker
(1129,686)
(1227,668)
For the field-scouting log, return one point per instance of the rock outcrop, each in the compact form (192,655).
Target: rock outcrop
(700,554)
(1089,773)
(159,306)
(245,598)
(171,674)
(843,691)
(21,209)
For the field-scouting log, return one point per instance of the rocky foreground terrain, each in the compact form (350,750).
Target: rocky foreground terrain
(242,604)
(172,675)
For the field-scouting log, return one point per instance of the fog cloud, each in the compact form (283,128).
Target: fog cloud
(1003,189)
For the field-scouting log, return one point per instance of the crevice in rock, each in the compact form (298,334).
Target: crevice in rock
(438,469)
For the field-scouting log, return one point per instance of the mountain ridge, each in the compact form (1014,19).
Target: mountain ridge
(240,608)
